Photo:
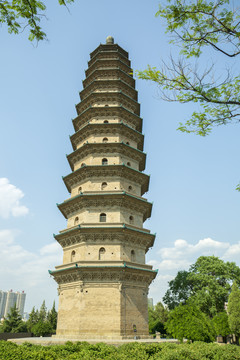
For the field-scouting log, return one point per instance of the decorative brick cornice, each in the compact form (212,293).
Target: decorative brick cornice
(105,85)
(108,113)
(121,171)
(122,200)
(101,235)
(112,54)
(108,48)
(105,98)
(109,62)
(105,274)
(109,73)
(106,150)
(106,130)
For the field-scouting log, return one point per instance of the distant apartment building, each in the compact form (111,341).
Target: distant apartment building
(9,299)
(21,297)
(25,316)
(3,298)
(150,302)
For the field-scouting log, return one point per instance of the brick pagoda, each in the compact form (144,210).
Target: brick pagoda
(103,281)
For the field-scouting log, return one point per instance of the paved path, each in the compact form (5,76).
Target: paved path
(54,341)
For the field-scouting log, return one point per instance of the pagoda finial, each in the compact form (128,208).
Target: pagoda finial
(109,40)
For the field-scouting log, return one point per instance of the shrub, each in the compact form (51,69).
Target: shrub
(42,328)
(132,351)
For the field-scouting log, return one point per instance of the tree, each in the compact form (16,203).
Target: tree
(42,322)
(161,312)
(43,312)
(33,319)
(21,14)
(211,278)
(220,324)
(180,289)
(188,321)
(42,328)
(1,328)
(52,317)
(157,318)
(208,283)
(196,26)
(234,310)
(13,323)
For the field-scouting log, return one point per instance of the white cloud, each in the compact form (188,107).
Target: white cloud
(182,249)
(182,254)
(49,249)
(232,253)
(21,269)
(10,197)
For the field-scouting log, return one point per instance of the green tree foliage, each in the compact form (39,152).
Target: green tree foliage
(220,324)
(42,322)
(197,27)
(43,312)
(52,317)
(42,328)
(21,14)
(188,321)
(180,289)
(234,310)
(208,282)
(33,319)
(212,278)
(157,318)
(13,323)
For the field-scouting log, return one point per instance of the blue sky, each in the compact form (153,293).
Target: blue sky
(193,179)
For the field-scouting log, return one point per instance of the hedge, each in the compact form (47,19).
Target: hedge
(132,351)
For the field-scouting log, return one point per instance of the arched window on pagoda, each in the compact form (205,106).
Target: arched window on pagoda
(103,186)
(101,253)
(127,143)
(133,257)
(105,122)
(131,219)
(83,164)
(130,188)
(76,220)
(105,140)
(128,163)
(73,255)
(79,189)
(103,217)
(104,161)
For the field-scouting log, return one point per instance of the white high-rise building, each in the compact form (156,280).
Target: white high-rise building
(150,303)
(3,298)
(21,297)
(9,299)
(10,302)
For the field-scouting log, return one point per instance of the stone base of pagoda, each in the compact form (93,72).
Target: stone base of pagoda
(103,303)
(87,337)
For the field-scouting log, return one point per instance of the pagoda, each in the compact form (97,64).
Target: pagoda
(103,281)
